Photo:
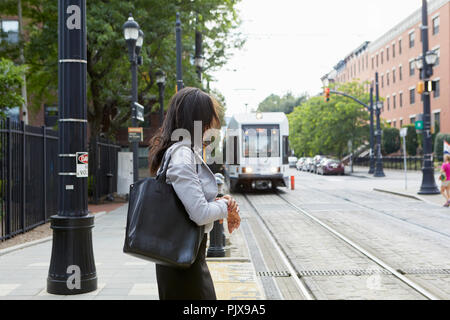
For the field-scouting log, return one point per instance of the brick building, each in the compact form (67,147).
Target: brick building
(392,55)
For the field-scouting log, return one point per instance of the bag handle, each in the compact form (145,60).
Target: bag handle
(163,174)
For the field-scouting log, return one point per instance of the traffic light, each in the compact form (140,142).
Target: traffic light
(327,94)
(426,86)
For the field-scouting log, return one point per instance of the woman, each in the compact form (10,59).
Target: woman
(445,179)
(190,111)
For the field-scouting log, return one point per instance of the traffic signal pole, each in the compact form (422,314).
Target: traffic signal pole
(428,186)
(72,267)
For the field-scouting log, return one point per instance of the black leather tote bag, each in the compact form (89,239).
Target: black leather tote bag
(158,226)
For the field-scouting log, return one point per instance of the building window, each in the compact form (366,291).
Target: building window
(411,68)
(393,50)
(436,23)
(382,81)
(413,120)
(387,78)
(400,73)
(393,76)
(412,96)
(387,54)
(401,123)
(388,100)
(437,92)
(412,38)
(395,124)
(373,64)
(400,46)
(382,56)
(9,31)
(394,102)
(400,99)
(437,122)
(377,60)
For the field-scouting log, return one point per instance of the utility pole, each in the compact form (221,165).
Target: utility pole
(379,173)
(180,84)
(72,267)
(372,139)
(428,186)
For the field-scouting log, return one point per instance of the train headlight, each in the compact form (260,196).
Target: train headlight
(276,170)
(247,170)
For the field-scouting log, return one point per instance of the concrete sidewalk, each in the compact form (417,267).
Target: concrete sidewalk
(394,183)
(23,272)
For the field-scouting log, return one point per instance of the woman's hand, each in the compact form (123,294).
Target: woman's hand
(233,219)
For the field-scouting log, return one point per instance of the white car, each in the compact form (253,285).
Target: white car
(292,162)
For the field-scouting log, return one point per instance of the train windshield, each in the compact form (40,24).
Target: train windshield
(261,141)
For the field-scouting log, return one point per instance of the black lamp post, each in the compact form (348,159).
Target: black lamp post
(72,266)
(379,172)
(425,64)
(134,38)
(161,82)
(199,60)
(180,84)
(372,129)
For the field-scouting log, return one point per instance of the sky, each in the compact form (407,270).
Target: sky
(291,44)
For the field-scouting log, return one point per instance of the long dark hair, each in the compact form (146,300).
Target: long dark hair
(186,106)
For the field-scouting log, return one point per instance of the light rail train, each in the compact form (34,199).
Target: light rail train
(256,149)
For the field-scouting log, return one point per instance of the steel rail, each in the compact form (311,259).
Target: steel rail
(299,283)
(380,262)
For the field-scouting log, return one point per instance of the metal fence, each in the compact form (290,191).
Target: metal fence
(29,175)
(103,168)
(413,163)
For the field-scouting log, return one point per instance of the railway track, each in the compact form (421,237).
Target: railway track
(298,276)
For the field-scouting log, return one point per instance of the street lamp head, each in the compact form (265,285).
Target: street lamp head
(199,62)
(431,57)
(131,29)
(419,63)
(160,78)
(139,42)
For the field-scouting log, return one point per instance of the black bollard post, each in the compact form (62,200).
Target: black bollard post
(216,240)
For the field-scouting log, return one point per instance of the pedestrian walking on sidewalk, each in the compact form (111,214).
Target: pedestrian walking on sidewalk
(445,180)
(194,184)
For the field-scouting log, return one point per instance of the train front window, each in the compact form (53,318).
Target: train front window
(261,141)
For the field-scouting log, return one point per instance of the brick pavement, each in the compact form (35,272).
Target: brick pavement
(23,273)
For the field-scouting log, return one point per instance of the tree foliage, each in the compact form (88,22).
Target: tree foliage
(318,127)
(390,140)
(286,104)
(412,140)
(10,83)
(109,82)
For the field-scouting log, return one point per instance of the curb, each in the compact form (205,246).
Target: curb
(39,241)
(406,195)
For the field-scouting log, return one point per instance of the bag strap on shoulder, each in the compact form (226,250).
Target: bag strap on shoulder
(165,163)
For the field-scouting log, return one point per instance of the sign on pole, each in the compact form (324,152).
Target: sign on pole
(135,134)
(139,111)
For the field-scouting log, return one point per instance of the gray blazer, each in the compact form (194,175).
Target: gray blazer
(197,191)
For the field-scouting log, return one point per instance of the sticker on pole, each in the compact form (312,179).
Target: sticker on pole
(82,164)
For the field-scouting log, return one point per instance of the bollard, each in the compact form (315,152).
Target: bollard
(216,240)
(292,183)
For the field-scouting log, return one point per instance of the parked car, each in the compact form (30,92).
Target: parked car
(316,161)
(307,165)
(330,166)
(292,162)
(299,164)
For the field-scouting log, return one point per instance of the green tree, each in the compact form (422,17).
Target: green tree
(10,83)
(108,66)
(318,127)
(391,140)
(412,140)
(286,104)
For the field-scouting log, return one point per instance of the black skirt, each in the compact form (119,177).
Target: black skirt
(194,283)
